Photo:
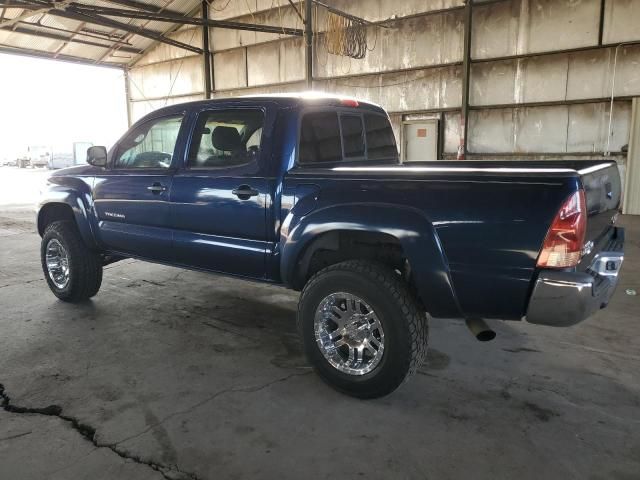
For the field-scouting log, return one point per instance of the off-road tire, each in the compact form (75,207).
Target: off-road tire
(403,319)
(85,266)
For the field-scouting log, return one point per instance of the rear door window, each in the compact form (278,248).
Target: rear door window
(226,138)
(320,138)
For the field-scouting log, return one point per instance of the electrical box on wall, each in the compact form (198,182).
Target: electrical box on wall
(420,140)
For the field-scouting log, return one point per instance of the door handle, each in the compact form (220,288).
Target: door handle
(244,192)
(157,188)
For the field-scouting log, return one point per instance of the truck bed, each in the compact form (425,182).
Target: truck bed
(490,217)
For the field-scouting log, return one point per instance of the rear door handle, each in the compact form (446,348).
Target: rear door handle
(244,192)
(157,188)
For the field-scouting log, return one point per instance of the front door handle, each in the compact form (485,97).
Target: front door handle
(244,192)
(157,188)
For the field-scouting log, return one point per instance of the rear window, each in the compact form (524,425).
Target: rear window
(327,136)
(320,138)
(381,143)
(352,135)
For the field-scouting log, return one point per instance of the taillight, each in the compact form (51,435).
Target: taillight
(563,244)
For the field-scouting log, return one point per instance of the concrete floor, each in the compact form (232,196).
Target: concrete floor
(175,374)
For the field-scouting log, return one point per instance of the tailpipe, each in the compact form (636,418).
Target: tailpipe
(480,329)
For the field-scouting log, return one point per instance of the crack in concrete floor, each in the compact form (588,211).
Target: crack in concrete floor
(89,433)
(251,389)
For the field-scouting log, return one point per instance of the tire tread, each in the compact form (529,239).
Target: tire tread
(411,309)
(86,277)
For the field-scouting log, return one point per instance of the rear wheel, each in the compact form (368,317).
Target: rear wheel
(73,272)
(362,330)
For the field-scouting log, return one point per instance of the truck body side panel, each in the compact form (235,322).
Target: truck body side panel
(413,231)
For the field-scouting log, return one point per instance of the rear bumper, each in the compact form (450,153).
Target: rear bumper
(565,298)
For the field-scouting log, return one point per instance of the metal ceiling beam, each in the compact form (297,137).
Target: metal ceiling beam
(107,22)
(2,14)
(142,6)
(165,33)
(65,38)
(179,18)
(83,32)
(87,17)
(35,10)
(27,52)
(66,44)
(296,10)
(95,15)
(104,35)
(172,29)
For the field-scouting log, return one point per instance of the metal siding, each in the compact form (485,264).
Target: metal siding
(162,51)
(230,69)
(179,77)
(397,75)
(621,21)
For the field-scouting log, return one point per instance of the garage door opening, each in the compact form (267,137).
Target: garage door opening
(51,112)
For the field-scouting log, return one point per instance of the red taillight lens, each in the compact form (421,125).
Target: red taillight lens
(563,245)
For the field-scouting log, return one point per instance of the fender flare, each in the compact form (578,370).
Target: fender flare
(62,195)
(409,226)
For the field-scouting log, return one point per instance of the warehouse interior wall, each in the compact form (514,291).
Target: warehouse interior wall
(541,71)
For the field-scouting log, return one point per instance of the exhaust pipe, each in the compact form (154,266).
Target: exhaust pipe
(480,329)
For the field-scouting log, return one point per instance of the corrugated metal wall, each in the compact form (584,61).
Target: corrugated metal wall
(167,75)
(524,98)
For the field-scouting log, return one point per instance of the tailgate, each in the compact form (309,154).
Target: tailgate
(602,190)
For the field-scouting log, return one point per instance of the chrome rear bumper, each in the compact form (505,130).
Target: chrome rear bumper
(562,298)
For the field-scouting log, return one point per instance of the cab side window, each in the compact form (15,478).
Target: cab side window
(320,138)
(150,145)
(381,143)
(335,137)
(226,138)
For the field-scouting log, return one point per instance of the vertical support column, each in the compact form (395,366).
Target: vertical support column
(466,74)
(601,22)
(441,134)
(127,95)
(206,53)
(308,40)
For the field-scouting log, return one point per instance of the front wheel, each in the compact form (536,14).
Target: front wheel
(73,272)
(362,330)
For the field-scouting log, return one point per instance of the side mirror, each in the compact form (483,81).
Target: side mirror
(97,156)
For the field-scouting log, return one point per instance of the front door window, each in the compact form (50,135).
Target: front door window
(150,145)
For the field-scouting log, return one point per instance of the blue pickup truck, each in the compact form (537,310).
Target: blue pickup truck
(307,192)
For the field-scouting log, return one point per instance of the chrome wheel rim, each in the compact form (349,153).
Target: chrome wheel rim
(349,333)
(57,263)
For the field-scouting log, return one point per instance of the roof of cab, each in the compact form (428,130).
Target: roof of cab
(285,99)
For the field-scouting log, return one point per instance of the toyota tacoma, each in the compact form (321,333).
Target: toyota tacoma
(307,191)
